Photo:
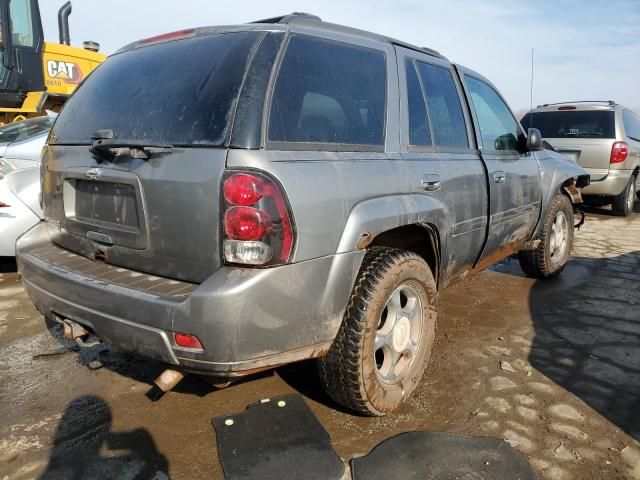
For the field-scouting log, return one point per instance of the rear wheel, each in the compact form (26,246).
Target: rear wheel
(385,340)
(623,204)
(556,239)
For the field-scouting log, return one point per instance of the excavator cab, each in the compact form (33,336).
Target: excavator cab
(21,45)
(36,76)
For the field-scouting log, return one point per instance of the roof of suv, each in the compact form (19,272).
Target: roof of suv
(297,18)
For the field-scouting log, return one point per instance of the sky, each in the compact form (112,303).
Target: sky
(583,49)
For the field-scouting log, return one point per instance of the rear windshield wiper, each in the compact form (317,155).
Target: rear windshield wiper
(108,149)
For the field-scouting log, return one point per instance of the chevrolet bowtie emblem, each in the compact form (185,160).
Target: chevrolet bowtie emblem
(94,173)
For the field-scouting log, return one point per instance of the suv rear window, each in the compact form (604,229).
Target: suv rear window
(572,123)
(329,92)
(180,93)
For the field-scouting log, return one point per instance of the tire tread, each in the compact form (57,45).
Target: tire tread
(339,369)
(534,262)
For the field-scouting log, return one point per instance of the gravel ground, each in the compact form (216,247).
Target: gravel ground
(552,367)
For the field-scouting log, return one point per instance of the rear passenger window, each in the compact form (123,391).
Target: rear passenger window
(419,130)
(329,92)
(498,128)
(631,124)
(445,110)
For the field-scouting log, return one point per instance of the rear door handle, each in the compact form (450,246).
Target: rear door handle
(499,177)
(431,182)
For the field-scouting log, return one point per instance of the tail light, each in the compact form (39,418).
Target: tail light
(4,205)
(258,228)
(619,152)
(186,340)
(186,33)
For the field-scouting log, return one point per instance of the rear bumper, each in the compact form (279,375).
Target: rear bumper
(247,319)
(612,184)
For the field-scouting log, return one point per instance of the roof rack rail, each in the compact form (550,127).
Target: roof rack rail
(298,16)
(289,17)
(432,52)
(610,102)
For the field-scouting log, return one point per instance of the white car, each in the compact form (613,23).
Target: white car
(21,145)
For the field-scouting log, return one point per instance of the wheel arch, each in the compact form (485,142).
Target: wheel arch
(422,239)
(559,176)
(414,223)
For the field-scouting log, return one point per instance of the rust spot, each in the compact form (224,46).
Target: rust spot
(498,255)
(364,241)
(275,360)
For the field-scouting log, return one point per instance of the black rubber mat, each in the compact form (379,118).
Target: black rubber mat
(278,439)
(442,456)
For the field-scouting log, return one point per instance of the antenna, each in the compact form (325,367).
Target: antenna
(531,92)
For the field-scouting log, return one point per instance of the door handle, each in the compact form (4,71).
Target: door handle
(499,177)
(430,183)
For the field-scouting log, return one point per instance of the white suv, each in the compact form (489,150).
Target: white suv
(604,138)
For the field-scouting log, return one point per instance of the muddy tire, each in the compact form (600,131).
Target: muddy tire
(556,240)
(623,204)
(385,340)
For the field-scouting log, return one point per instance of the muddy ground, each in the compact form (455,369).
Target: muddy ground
(571,403)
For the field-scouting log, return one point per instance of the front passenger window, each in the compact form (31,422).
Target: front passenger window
(498,129)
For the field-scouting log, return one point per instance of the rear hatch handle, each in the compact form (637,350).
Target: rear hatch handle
(108,149)
(569,149)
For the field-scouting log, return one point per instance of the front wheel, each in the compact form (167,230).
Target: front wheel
(385,340)
(556,240)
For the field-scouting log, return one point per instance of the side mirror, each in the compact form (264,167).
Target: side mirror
(534,140)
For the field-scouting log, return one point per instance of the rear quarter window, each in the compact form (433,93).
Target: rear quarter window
(572,123)
(180,92)
(329,92)
(631,124)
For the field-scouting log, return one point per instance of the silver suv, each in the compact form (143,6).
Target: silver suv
(231,199)
(603,137)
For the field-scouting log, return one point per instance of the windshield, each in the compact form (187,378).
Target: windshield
(15,132)
(179,93)
(572,123)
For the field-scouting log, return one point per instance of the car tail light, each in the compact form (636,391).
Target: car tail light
(619,152)
(567,108)
(243,189)
(186,340)
(247,223)
(4,205)
(258,229)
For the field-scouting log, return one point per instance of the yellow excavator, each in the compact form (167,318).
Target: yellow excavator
(36,76)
